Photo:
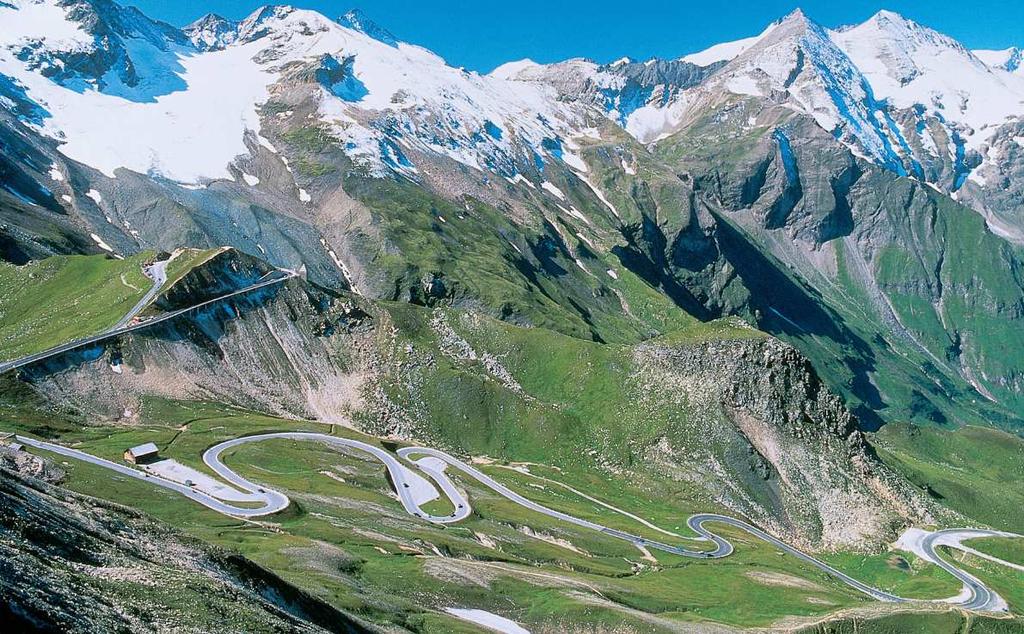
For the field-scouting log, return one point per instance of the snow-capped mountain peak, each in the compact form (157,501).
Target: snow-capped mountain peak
(358,21)
(914,67)
(894,50)
(515,70)
(387,101)
(281,21)
(211,32)
(796,57)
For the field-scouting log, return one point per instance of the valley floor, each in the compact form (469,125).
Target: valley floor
(328,499)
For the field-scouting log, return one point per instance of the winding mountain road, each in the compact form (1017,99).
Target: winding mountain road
(157,272)
(122,327)
(434,464)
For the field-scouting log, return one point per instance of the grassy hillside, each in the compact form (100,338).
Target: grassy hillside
(549,414)
(1009,549)
(548,272)
(48,302)
(973,470)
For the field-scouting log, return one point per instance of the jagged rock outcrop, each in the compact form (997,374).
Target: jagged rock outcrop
(771,441)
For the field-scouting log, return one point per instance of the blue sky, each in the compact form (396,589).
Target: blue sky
(479,37)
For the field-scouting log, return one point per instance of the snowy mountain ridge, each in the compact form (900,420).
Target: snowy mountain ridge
(1008,59)
(223,71)
(885,88)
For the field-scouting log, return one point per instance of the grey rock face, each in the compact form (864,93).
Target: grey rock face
(782,447)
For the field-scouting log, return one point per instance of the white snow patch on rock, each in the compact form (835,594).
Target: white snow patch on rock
(520,179)
(100,243)
(265,143)
(600,196)
(575,161)
(552,189)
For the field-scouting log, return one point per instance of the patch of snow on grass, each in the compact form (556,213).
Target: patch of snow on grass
(577,214)
(487,619)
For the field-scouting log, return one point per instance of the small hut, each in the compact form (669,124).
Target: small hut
(141,454)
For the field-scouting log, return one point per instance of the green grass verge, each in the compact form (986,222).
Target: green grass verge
(45,303)
(1009,549)
(902,574)
(973,470)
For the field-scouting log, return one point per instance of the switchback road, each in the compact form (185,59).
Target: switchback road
(434,464)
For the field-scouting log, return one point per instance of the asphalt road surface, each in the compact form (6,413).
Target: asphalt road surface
(157,272)
(982,599)
(434,463)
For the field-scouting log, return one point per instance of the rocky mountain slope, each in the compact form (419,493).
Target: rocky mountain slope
(72,563)
(758,434)
(802,179)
